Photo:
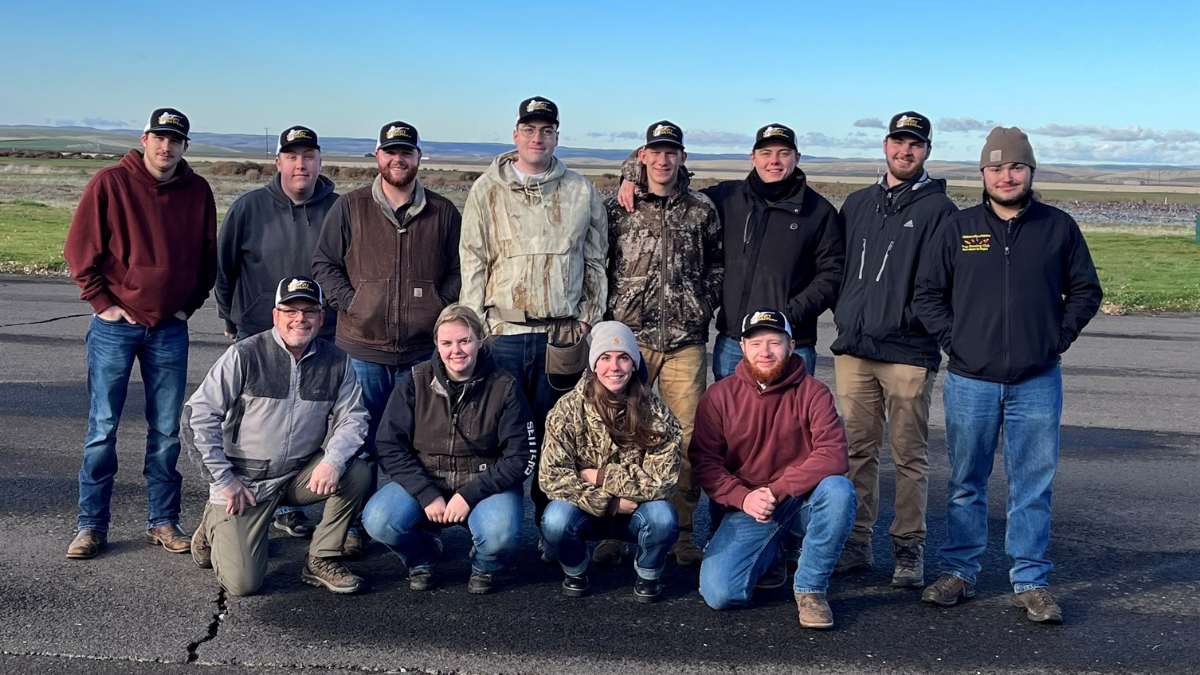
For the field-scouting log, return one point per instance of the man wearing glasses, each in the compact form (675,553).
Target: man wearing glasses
(533,254)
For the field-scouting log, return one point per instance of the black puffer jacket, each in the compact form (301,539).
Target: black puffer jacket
(886,234)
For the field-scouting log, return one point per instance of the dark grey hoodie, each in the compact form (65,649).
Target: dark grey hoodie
(264,238)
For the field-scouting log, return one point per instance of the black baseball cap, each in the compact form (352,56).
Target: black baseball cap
(168,121)
(298,288)
(911,124)
(398,134)
(664,132)
(766,318)
(775,134)
(537,108)
(297,137)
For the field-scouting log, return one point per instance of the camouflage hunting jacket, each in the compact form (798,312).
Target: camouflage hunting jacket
(666,267)
(576,439)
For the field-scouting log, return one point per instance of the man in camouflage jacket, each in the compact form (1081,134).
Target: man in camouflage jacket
(664,279)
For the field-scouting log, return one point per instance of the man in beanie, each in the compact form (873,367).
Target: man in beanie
(886,360)
(782,245)
(534,253)
(1005,287)
(664,280)
(278,420)
(770,452)
(270,233)
(142,248)
(388,260)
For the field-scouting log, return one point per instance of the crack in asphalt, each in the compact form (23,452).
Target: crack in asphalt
(213,627)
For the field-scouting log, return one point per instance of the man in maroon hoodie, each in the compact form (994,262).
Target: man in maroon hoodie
(770,451)
(142,247)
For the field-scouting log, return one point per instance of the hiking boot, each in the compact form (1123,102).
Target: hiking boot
(294,523)
(331,574)
(1039,605)
(576,587)
(86,544)
(422,579)
(609,552)
(686,553)
(774,577)
(813,611)
(910,565)
(170,537)
(355,544)
(201,549)
(856,557)
(647,590)
(481,583)
(947,591)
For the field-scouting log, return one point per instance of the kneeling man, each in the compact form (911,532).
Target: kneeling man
(257,424)
(770,452)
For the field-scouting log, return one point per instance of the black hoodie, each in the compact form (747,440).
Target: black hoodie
(1006,297)
(886,234)
(264,238)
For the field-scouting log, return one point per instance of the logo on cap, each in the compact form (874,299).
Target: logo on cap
(168,118)
(536,106)
(996,156)
(907,121)
(762,316)
(397,132)
(771,132)
(297,134)
(299,285)
(664,130)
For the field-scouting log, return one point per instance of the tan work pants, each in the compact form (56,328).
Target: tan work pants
(681,377)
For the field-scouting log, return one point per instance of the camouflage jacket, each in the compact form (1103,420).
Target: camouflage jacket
(576,439)
(666,267)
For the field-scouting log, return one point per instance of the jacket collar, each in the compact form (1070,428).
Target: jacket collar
(793,374)
(414,208)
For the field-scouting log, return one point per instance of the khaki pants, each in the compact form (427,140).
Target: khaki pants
(239,543)
(870,393)
(681,376)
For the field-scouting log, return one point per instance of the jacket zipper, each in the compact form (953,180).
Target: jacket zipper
(1007,313)
(862,260)
(885,258)
(662,281)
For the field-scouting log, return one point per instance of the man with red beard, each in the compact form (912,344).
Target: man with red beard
(769,450)
(388,261)
(886,361)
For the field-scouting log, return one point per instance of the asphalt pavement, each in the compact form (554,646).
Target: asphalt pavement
(1126,546)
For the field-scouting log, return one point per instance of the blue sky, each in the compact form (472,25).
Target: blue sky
(1092,81)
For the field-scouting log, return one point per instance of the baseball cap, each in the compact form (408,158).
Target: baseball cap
(539,108)
(298,288)
(664,132)
(766,318)
(297,137)
(168,121)
(912,124)
(775,133)
(398,134)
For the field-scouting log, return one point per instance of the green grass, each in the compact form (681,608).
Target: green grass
(1141,273)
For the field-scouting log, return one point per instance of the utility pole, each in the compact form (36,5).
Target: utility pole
(267,142)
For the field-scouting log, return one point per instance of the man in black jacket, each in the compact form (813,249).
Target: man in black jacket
(886,361)
(458,441)
(782,243)
(268,234)
(1006,287)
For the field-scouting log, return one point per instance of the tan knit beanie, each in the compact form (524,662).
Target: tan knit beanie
(1004,145)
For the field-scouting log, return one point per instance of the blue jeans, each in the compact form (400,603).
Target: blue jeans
(1028,413)
(524,356)
(742,548)
(377,381)
(652,525)
(393,517)
(727,354)
(162,355)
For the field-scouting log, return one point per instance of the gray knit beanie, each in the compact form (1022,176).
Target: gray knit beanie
(1004,145)
(613,336)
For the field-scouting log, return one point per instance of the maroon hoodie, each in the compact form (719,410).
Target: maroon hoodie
(145,246)
(787,436)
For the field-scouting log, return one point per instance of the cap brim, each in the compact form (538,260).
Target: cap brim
(661,141)
(168,130)
(770,327)
(297,296)
(298,144)
(775,141)
(545,117)
(398,144)
(908,132)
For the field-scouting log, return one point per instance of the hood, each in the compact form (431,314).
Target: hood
(132,162)
(484,365)
(793,197)
(793,374)
(501,171)
(322,190)
(916,190)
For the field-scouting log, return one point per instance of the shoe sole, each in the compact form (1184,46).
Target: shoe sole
(908,582)
(155,541)
(646,599)
(817,626)
(941,603)
(575,592)
(475,590)
(313,580)
(298,534)
(83,556)
(1036,618)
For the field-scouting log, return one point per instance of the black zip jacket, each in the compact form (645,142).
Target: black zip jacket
(886,232)
(477,443)
(785,255)
(1006,297)
(264,238)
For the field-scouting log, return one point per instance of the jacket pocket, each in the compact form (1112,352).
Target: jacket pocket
(422,307)
(145,286)
(367,315)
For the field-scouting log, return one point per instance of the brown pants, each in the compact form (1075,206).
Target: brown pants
(239,543)
(870,393)
(681,376)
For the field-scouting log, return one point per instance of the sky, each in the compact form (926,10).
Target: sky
(1091,82)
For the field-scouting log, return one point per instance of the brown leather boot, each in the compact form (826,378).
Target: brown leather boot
(170,537)
(813,610)
(86,544)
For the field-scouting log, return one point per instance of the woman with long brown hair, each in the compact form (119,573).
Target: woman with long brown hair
(610,461)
